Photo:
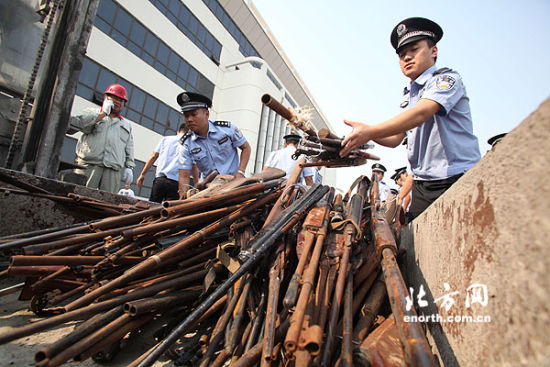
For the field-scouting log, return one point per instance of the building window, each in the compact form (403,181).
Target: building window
(273,80)
(290,100)
(117,23)
(142,108)
(245,47)
(190,26)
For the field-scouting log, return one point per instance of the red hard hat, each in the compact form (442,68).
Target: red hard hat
(117,90)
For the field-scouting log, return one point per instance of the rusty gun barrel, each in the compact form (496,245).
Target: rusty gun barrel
(417,350)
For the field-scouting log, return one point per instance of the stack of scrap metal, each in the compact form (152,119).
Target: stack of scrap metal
(247,272)
(89,206)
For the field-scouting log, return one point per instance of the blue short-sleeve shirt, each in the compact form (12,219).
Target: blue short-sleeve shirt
(444,145)
(282,159)
(216,151)
(168,163)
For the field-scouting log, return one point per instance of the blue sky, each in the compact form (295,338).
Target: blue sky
(341,50)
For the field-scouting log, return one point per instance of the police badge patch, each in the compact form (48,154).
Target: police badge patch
(196,150)
(238,132)
(445,82)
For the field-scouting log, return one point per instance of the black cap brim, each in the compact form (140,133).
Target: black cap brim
(414,29)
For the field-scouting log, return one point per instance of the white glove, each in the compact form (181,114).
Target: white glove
(128,176)
(107,106)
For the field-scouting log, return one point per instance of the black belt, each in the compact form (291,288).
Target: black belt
(165,178)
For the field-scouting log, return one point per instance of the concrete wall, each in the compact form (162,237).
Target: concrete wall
(492,228)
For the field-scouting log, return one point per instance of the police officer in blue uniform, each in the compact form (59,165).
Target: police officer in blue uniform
(211,145)
(383,188)
(165,184)
(282,159)
(435,119)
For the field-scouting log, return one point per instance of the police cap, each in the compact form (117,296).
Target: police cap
(413,29)
(292,137)
(398,173)
(377,167)
(495,139)
(191,101)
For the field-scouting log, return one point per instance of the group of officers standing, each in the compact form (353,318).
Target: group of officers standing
(200,147)
(435,120)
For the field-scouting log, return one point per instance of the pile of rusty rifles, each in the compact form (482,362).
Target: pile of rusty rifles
(246,272)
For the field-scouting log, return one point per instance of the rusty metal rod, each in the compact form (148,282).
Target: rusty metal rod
(286,113)
(82,330)
(206,253)
(209,178)
(370,309)
(43,247)
(257,322)
(278,107)
(346,356)
(238,317)
(62,297)
(292,180)
(40,270)
(41,282)
(271,313)
(326,133)
(82,344)
(320,290)
(145,305)
(12,289)
(125,219)
(362,290)
(417,350)
(182,222)
(241,194)
(28,260)
(47,234)
(291,295)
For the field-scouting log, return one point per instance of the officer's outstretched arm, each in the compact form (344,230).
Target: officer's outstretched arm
(152,159)
(391,132)
(183,182)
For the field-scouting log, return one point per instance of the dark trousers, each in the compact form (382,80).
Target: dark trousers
(164,189)
(424,193)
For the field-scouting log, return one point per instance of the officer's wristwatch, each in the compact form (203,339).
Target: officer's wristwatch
(242,172)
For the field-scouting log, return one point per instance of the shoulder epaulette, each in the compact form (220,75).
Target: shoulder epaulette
(185,136)
(222,123)
(442,71)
